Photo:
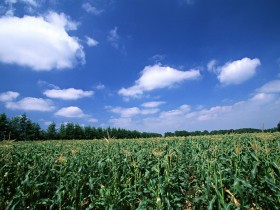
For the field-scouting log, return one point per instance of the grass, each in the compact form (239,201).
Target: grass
(209,172)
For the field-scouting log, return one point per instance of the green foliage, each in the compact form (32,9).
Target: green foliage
(219,132)
(51,131)
(3,127)
(21,128)
(209,172)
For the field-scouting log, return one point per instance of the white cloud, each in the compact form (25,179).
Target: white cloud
(126,112)
(68,94)
(156,77)
(270,87)
(40,43)
(158,57)
(71,112)
(153,104)
(130,112)
(114,37)
(91,42)
(262,107)
(211,66)
(29,5)
(123,122)
(92,120)
(181,111)
(10,1)
(149,111)
(8,96)
(91,9)
(43,83)
(212,113)
(100,87)
(30,104)
(29,2)
(61,21)
(262,98)
(10,12)
(239,71)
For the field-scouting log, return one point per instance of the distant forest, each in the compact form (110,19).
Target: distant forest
(21,128)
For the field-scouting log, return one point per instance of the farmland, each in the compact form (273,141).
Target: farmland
(208,172)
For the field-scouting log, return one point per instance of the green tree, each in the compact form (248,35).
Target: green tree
(3,127)
(30,135)
(70,131)
(87,132)
(78,132)
(36,132)
(23,127)
(14,128)
(100,133)
(62,131)
(278,126)
(51,131)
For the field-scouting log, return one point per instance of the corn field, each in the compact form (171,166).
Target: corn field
(209,172)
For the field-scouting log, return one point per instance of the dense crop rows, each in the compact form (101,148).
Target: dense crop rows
(225,172)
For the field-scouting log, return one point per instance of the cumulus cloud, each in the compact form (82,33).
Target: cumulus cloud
(31,104)
(71,112)
(153,104)
(239,71)
(91,42)
(68,94)
(8,96)
(91,9)
(26,104)
(156,77)
(261,107)
(40,43)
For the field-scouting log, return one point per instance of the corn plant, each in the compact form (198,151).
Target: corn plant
(210,172)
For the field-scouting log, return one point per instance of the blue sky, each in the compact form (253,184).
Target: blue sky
(160,65)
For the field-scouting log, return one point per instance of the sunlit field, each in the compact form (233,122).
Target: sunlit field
(209,172)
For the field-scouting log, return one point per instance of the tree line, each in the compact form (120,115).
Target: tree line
(216,132)
(21,128)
